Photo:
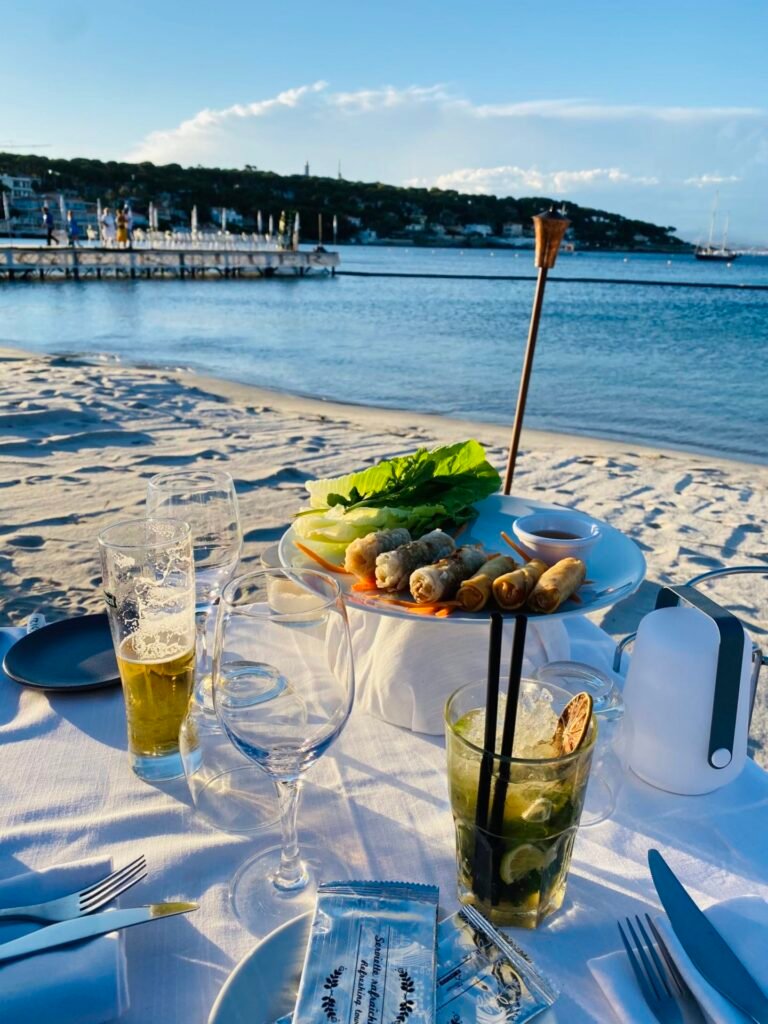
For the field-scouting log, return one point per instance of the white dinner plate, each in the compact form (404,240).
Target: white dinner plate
(615,566)
(265,983)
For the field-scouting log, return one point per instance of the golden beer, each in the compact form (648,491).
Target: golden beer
(156,697)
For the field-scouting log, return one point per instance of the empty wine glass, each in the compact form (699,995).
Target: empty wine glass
(283,684)
(225,787)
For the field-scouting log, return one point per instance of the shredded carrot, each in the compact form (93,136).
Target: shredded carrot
(515,547)
(324,563)
(365,585)
(443,613)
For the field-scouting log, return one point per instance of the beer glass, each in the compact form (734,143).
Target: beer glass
(149,588)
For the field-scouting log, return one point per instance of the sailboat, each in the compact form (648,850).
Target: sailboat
(710,251)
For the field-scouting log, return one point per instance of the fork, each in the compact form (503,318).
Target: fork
(78,904)
(663,986)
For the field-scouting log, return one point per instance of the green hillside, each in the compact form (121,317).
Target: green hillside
(365,211)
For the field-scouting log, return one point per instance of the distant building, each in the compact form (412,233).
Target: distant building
(478,229)
(233,217)
(20,187)
(512,230)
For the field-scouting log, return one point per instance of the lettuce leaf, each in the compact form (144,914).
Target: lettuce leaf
(420,491)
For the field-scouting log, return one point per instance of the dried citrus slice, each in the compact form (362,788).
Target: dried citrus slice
(573,724)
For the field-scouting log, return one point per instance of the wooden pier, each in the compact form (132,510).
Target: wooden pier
(43,263)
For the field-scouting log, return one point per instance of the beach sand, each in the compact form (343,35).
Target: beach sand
(79,439)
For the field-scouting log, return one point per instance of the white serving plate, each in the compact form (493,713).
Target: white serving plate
(615,566)
(264,985)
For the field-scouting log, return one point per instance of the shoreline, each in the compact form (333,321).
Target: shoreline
(296,401)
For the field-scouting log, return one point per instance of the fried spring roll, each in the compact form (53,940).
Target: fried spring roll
(440,581)
(511,590)
(557,585)
(475,593)
(360,557)
(394,568)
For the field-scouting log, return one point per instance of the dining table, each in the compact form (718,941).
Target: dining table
(379,799)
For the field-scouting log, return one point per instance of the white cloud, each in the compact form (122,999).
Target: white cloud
(584,110)
(170,144)
(512,180)
(705,180)
(640,160)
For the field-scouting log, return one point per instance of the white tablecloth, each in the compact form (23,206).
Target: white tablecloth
(379,798)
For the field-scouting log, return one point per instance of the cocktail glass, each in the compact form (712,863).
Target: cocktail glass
(514,870)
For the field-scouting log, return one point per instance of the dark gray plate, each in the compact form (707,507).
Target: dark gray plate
(73,654)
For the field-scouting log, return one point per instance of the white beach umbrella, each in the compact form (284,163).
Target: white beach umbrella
(296,227)
(271,225)
(223,218)
(6,207)
(193,220)
(62,207)
(259,225)
(335,228)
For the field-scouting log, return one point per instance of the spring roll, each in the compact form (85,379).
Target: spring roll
(361,555)
(394,568)
(439,582)
(557,585)
(511,590)
(475,593)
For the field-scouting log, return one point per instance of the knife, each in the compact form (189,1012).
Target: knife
(64,932)
(704,944)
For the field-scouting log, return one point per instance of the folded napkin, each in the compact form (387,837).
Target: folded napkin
(742,922)
(79,984)
(406,670)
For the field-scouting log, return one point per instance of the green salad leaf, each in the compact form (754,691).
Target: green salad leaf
(420,491)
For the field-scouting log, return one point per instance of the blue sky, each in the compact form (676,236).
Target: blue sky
(642,108)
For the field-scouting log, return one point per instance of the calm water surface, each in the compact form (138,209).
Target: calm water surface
(669,366)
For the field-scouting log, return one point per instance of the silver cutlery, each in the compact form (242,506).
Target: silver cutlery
(65,932)
(86,900)
(664,989)
(708,950)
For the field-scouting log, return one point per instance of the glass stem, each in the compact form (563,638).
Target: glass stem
(292,873)
(202,658)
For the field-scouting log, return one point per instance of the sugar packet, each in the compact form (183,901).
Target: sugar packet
(371,955)
(485,976)
(482,976)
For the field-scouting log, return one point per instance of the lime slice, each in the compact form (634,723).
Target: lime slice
(518,862)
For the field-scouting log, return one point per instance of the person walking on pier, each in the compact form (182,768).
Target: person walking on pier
(122,228)
(73,229)
(129,223)
(107,226)
(50,238)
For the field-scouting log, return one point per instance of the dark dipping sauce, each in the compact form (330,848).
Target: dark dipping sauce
(557,535)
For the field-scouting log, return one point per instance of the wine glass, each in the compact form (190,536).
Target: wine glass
(206,499)
(225,787)
(283,683)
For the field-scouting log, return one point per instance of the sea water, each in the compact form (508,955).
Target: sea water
(678,367)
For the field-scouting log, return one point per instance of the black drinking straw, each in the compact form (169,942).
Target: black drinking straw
(508,735)
(481,868)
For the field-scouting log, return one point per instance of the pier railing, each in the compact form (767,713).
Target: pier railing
(43,262)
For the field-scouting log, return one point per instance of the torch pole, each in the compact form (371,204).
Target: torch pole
(549,228)
(525,378)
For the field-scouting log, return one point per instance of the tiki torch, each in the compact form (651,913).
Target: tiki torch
(549,228)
